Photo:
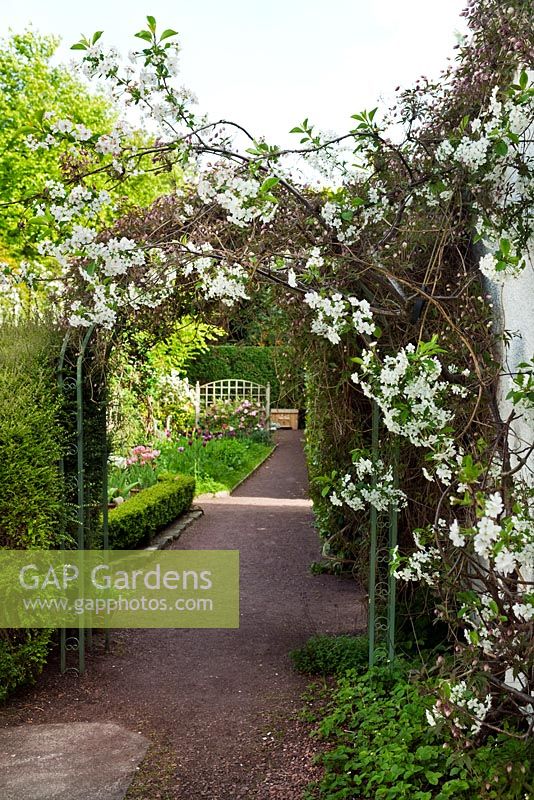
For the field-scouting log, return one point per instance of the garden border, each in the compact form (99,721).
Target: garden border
(224,493)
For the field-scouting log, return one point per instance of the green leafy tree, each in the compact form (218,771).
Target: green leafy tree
(29,86)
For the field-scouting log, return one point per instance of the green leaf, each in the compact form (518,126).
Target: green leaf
(523,80)
(79,46)
(432,777)
(151,23)
(505,246)
(167,34)
(268,183)
(500,147)
(144,35)
(96,36)
(425,753)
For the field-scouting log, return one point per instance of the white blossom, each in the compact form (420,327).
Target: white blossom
(455,535)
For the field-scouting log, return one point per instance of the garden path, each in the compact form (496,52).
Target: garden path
(220,707)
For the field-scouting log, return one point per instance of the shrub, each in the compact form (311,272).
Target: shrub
(224,416)
(140,517)
(246,363)
(23,654)
(331,655)
(32,506)
(31,492)
(383,747)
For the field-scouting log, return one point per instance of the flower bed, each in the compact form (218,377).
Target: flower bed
(217,462)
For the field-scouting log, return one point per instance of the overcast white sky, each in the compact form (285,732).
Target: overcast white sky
(270,64)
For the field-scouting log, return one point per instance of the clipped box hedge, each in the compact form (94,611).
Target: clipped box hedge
(139,518)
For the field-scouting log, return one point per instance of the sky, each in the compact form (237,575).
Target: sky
(268,65)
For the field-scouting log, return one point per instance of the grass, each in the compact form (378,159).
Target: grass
(218,465)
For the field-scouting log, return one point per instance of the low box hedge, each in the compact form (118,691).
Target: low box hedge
(139,518)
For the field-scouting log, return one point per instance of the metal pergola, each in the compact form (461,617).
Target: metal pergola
(383,533)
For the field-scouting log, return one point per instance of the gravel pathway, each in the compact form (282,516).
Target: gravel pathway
(220,706)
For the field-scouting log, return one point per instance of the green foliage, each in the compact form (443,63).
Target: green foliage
(134,522)
(188,340)
(522,392)
(331,655)
(31,495)
(383,749)
(142,379)
(246,362)
(217,465)
(330,436)
(28,85)
(23,654)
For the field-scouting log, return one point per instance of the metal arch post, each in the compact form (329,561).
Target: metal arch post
(105,529)
(392,543)
(81,475)
(60,382)
(371,623)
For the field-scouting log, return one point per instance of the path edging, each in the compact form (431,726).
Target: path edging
(175,530)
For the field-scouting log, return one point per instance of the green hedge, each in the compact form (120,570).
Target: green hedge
(31,492)
(244,362)
(32,503)
(140,517)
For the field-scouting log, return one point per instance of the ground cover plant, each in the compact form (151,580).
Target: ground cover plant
(332,655)
(379,746)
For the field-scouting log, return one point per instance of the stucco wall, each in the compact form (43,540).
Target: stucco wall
(514,317)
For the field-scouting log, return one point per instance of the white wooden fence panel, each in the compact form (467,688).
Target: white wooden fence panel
(233,389)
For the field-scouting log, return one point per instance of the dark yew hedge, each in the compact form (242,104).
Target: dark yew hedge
(32,504)
(246,362)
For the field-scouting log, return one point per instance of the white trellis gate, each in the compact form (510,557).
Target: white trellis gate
(233,389)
